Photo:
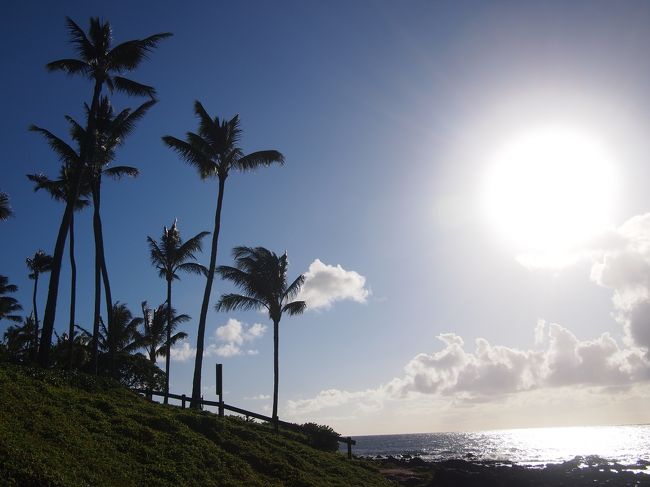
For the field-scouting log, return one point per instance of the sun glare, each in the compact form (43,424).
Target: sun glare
(549,189)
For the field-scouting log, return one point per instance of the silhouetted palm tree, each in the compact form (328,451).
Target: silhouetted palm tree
(214,152)
(170,256)
(262,276)
(102,64)
(5,208)
(111,131)
(62,190)
(40,263)
(19,339)
(8,305)
(122,335)
(154,337)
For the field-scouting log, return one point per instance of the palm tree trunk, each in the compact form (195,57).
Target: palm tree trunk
(198,361)
(169,338)
(276,371)
(53,288)
(73,295)
(100,265)
(34,353)
(98,302)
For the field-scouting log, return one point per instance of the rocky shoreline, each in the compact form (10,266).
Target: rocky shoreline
(581,471)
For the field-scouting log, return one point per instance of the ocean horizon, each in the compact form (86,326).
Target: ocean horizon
(624,444)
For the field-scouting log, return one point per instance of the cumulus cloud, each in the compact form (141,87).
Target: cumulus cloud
(620,261)
(259,397)
(227,341)
(326,284)
(492,371)
(182,352)
(231,337)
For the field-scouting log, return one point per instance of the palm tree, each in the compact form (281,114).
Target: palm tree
(155,330)
(170,256)
(5,208)
(103,65)
(262,276)
(214,151)
(8,305)
(122,335)
(111,132)
(19,339)
(40,263)
(62,190)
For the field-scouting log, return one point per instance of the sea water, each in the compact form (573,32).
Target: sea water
(623,444)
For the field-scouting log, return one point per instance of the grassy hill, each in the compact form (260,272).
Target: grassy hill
(72,429)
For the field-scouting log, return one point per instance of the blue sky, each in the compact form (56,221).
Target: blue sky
(388,115)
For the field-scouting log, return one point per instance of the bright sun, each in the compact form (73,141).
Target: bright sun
(549,189)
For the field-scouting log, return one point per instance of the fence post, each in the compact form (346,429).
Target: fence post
(183,401)
(220,388)
(349,448)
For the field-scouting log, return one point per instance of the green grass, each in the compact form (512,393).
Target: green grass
(61,429)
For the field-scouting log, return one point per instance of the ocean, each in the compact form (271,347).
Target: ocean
(534,446)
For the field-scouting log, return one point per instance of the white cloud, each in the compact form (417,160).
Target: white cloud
(227,341)
(326,284)
(181,352)
(491,372)
(232,336)
(259,397)
(620,261)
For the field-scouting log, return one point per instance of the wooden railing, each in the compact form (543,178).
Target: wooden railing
(223,406)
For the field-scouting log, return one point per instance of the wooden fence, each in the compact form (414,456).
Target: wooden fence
(223,406)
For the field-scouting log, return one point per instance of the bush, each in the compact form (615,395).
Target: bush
(321,437)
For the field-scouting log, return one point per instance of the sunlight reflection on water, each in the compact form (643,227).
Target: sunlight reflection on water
(623,444)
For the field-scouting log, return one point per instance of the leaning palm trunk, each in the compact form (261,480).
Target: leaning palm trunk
(34,353)
(198,362)
(169,338)
(276,370)
(73,295)
(100,266)
(53,288)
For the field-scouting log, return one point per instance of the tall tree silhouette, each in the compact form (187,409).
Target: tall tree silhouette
(122,335)
(262,277)
(62,190)
(214,152)
(154,337)
(169,256)
(19,339)
(103,65)
(8,304)
(37,265)
(111,131)
(5,208)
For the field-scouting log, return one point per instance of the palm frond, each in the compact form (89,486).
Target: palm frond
(294,308)
(78,37)
(63,150)
(6,211)
(193,268)
(117,172)
(70,66)
(294,288)
(192,246)
(259,159)
(128,55)
(126,120)
(132,88)
(232,302)
(192,156)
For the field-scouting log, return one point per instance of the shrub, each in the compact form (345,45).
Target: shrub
(321,437)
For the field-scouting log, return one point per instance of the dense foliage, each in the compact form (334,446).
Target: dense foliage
(71,429)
